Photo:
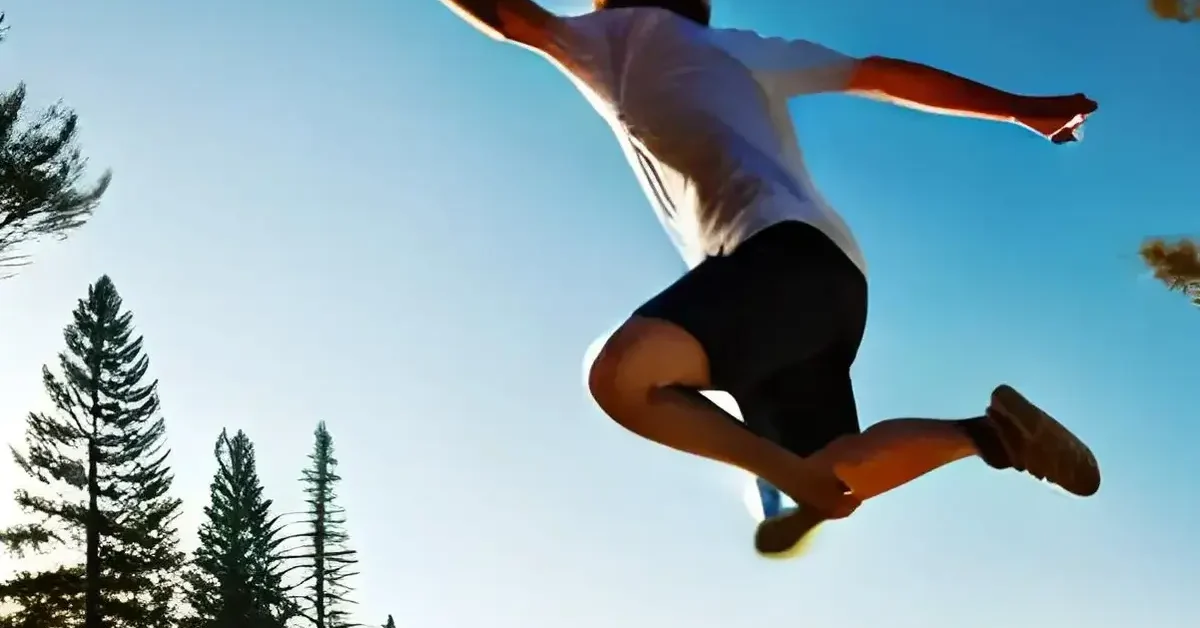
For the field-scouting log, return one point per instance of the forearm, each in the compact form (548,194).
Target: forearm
(922,87)
(523,21)
(483,14)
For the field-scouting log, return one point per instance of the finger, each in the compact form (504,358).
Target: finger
(843,510)
(1065,136)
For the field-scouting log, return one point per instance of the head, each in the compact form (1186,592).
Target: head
(699,11)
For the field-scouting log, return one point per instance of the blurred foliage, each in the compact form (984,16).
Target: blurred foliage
(1178,10)
(1176,264)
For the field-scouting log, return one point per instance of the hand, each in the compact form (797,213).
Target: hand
(1056,118)
(821,489)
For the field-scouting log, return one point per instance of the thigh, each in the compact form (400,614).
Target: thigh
(805,406)
(774,302)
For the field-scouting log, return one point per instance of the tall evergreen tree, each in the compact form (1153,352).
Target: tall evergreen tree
(103,449)
(323,557)
(391,623)
(237,581)
(41,172)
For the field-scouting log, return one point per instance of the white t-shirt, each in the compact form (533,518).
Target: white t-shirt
(702,115)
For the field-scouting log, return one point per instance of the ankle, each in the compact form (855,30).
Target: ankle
(987,441)
(808,478)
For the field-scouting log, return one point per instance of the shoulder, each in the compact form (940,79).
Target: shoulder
(587,36)
(771,53)
(607,24)
(573,36)
(745,43)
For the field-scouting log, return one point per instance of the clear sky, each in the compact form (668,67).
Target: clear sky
(365,213)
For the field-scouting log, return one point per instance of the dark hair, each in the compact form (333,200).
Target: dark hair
(696,10)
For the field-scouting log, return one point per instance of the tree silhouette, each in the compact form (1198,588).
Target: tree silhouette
(391,623)
(50,599)
(237,581)
(323,558)
(41,174)
(1176,264)
(103,450)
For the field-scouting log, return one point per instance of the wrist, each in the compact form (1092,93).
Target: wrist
(1026,107)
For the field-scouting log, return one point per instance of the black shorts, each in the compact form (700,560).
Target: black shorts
(781,319)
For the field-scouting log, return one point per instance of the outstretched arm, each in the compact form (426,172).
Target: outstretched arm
(930,89)
(923,87)
(797,67)
(522,21)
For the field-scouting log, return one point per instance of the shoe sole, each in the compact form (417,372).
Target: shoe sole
(1046,449)
(787,535)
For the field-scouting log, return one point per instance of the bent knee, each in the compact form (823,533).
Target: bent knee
(605,368)
(640,356)
(592,354)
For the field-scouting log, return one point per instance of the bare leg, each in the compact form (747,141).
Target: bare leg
(1014,434)
(887,455)
(646,377)
(641,379)
(895,452)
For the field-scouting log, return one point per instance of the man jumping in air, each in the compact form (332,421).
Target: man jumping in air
(775,304)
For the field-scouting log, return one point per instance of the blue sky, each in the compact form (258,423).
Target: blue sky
(365,213)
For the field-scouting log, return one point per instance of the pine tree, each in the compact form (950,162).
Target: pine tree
(50,599)
(103,450)
(323,557)
(238,579)
(391,623)
(41,169)
(1176,264)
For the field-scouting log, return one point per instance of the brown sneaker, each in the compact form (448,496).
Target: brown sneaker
(787,535)
(1041,446)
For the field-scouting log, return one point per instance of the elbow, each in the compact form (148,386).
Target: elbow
(871,76)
